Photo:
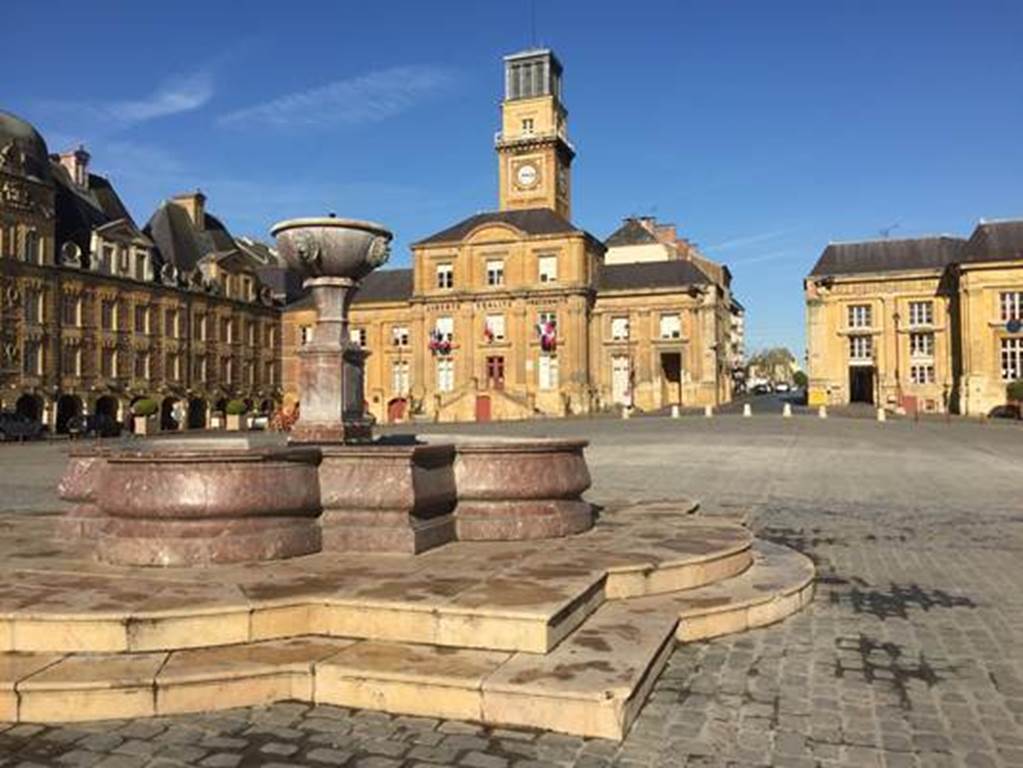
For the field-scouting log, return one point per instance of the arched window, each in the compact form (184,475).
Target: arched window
(32,250)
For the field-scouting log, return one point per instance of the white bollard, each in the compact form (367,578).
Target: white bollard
(674,411)
(747,410)
(822,412)
(881,415)
(786,410)
(708,411)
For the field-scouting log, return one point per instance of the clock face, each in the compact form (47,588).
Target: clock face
(526,175)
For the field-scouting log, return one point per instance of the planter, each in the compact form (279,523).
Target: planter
(146,425)
(236,422)
(199,504)
(521,489)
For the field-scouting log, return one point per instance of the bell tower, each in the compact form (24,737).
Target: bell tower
(533,151)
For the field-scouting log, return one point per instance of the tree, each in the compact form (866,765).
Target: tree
(774,363)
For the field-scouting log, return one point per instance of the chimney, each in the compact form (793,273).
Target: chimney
(194,204)
(77,164)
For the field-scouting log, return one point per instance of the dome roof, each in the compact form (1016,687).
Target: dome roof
(22,150)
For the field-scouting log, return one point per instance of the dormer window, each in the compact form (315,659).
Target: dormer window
(495,272)
(445,276)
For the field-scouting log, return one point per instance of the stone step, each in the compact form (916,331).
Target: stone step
(592,684)
(779,583)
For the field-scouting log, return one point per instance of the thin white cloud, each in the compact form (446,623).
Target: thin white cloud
(183,93)
(367,98)
(740,242)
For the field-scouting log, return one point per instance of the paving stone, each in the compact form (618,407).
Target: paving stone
(328,756)
(221,760)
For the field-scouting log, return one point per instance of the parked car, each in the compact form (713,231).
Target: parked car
(782,386)
(762,389)
(16,426)
(1009,411)
(97,425)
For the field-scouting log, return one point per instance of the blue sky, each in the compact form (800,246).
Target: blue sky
(763,129)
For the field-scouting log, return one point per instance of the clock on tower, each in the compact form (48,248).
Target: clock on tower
(534,154)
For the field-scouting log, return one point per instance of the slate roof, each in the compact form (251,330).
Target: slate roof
(649,274)
(183,244)
(995,241)
(79,211)
(382,285)
(630,233)
(532,221)
(919,253)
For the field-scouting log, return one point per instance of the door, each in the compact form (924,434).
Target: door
(861,384)
(620,390)
(482,407)
(671,377)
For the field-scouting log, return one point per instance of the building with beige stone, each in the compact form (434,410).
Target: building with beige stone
(518,312)
(96,313)
(928,324)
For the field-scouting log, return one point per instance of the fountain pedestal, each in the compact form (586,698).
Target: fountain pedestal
(331,371)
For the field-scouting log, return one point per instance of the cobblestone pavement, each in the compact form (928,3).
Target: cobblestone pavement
(911,654)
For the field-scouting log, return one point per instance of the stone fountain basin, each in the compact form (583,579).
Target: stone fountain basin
(208,500)
(519,488)
(332,247)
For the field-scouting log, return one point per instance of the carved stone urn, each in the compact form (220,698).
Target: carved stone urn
(333,255)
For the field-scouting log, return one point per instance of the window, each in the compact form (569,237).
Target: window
(33,359)
(271,373)
(445,276)
(71,310)
(495,372)
(199,333)
(170,323)
(1011,303)
(495,272)
(71,361)
(142,365)
(250,369)
(548,319)
(861,348)
(141,319)
(921,313)
(527,126)
(445,328)
(620,328)
(305,334)
(1012,359)
(400,336)
(106,263)
(493,328)
(33,306)
(358,336)
(227,370)
(172,367)
(124,266)
(250,333)
(547,267)
(10,239)
(671,327)
(108,363)
(921,345)
(400,377)
(548,370)
(141,257)
(445,374)
(108,315)
(33,253)
(199,368)
(859,316)
(271,336)
(921,374)
(226,330)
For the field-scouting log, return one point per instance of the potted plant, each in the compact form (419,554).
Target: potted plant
(144,413)
(236,411)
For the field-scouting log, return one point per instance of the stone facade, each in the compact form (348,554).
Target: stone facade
(96,313)
(517,313)
(928,324)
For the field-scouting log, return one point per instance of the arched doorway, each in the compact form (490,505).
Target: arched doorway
(197,413)
(30,406)
(68,407)
(266,407)
(396,410)
(168,421)
(105,411)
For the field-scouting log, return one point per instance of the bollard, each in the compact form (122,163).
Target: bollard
(708,411)
(747,410)
(881,415)
(822,412)
(786,410)
(674,411)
